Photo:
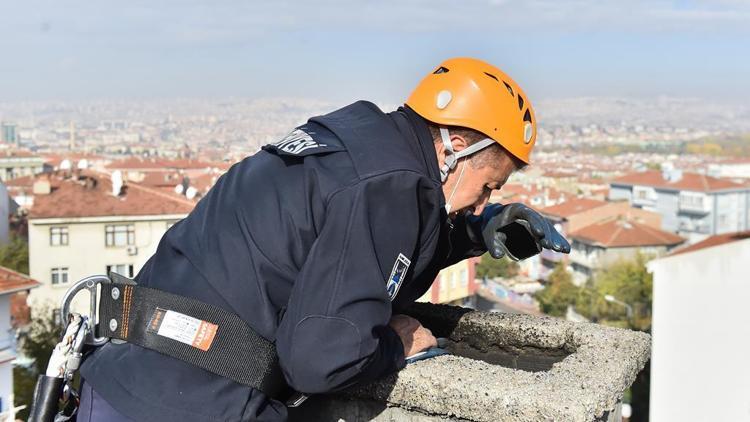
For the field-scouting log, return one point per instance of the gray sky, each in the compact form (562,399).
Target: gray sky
(341,50)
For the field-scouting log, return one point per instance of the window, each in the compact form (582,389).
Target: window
(122,269)
(644,194)
(58,236)
(693,201)
(119,235)
(464,277)
(59,275)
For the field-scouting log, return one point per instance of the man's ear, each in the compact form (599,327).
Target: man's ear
(459,142)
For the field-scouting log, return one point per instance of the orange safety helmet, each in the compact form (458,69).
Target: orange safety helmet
(474,94)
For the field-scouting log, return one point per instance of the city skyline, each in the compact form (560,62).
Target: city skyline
(341,51)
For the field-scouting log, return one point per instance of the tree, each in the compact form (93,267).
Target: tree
(37,344)
(490,267)
(15,255)
(630,282)
(559,293)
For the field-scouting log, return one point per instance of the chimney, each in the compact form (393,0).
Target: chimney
(42,187)
(65,168)
(672,175)
(117,183)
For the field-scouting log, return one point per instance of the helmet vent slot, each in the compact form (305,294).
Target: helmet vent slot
(527,116)
(520,102)
(509,89)
(440,70)
(492,76)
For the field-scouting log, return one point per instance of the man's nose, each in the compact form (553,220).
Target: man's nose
(482,202)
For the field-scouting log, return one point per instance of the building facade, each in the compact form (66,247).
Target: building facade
(692,205)
(88,225)
(701,333)
(11,284)
(19,163)
(601,244)
(454,285)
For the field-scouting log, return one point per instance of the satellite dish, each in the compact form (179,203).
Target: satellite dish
(116,182)
(65,164)
(83,164)
(191,192)
(178,189)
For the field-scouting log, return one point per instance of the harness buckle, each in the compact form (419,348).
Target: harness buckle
(90,284)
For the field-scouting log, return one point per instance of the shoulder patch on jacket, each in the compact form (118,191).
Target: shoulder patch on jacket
(303,141)
(396,279)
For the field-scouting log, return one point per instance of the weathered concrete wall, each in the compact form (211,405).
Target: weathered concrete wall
(507,368)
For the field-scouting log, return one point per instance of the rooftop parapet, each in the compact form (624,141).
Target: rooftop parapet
(502,367)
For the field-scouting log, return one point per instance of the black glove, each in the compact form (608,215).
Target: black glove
(515,230)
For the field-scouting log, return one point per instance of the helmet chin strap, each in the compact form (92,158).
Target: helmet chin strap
(448,204)
(452,157)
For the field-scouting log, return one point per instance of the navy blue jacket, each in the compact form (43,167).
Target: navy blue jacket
(315,242)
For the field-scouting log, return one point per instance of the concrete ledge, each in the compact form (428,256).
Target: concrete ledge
(505,367)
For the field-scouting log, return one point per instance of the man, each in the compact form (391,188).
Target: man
(318,241)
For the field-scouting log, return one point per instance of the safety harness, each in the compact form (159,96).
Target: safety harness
(184,328)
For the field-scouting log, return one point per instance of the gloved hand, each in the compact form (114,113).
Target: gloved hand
(515,230)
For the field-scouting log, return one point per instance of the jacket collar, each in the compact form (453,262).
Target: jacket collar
(424,142)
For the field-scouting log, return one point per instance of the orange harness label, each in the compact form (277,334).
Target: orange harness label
(183,328)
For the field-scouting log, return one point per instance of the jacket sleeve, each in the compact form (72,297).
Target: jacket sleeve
(335,330)
(465,240)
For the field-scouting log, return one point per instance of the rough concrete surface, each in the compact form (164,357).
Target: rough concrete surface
(565,372)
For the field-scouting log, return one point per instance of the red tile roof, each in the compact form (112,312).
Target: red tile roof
(689,181)
(90,195)
(616,233)
(17,153)
(719,239)
(13,281)
(572,206)
(74,157)
(136,163)
(21,182)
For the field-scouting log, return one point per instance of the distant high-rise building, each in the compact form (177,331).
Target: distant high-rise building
(9,134)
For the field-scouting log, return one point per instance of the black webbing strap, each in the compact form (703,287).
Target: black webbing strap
(195,332)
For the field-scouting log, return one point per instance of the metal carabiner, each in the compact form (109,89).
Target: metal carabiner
(90,284)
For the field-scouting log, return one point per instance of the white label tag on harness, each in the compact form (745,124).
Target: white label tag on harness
(394,282)
(183,328)
(297,142)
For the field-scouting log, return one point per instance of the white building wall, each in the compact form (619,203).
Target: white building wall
(7,353)
(701,335)
(86,253)
(4,212)
(619,193)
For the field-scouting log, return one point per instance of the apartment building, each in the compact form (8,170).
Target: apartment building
(17,163)
(12,285)
(454,285)
(597,246)
(699,368)
(88,223)
(692,205)
(576,213)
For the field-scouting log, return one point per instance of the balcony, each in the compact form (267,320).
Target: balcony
(505,367)
(694,203)
(644,196)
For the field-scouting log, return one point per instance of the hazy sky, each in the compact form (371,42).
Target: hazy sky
(340,50)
